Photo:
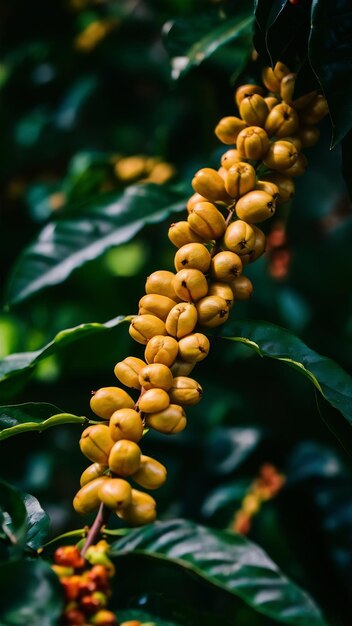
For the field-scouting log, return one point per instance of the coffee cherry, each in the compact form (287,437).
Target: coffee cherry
(87,499)
(271,102)
(271,82)
(62,571)
(314,111)
(239,237)
(99,575)
(230,158)
(281,70)
(281,121)
(93,471)
(242,288)
(240,179)
(141,511)
(223,173)
(181,233)
(70,585)
(308,135)
(127,371)
(193,200)
(154,400)
(255,206)
(104,618)
(254,110)
(109,399)
(182,368)
(160,282)
(303,101)
(151,474)
(74,617)
(190,285)
(96,443)
(208,183)
(225,266)
(154,304)
(207,221)
(144,327)
(252,143)
(126,424)
(228,128)
(298,168)
(161,349)
(194,256)
(156,376)
(259,246)
(169,422)
(133,622)
(247,90)
(68,556)
(284,184)
(194,348)
(212,311)
(287,88)
(281,155)
(181,320)
(295,140)
(115,493)
(223,290)
(185,391)
(124,458)
(270,188)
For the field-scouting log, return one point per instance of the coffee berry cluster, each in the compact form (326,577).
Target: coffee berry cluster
(214,245)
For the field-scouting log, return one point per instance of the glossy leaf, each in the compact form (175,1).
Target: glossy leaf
(228,561)
(37,522)
(67,244)
(33,416)
(13,524)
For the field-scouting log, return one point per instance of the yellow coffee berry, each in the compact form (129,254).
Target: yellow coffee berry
(298,168)
(255,206)
(91,472)
(130,168)
(239,237)
(142,509)
(308,135)
(223,290)
(230,158)
(242,288)
(190,285)
(253,143)
(281,70)
(96,443)
(225,266)
(151,474)
(182,368)
(314,111)
(270,188)
(303,101)
(259,245)
(181,320)
(281,155)
(127,371)
(212,311)
(156,376)
(126,424)
(223,172)
(193,200)
(254,110)
(154,304)
(154,400)
(194,347)
(271,102)
(160,282)
(240,179)
(194,256)
(228,128)
(207,221)
(124,457)
(185,391)
(271,82)
(115,493)
(281,121)
(109,399)
(284,184)
(247,90)
(143,327)
(287,88)
(87,499)
(161,349)
(181,233)
(208,183)
(169,422)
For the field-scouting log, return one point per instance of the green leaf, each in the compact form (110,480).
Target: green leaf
(37,522)
(16,419)
(67,244)
(17,368)
(30,594)
(13,524)
(346,146)
(228,561)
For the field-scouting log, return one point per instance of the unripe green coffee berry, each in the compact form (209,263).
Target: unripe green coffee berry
(254,110)
(255,206)
(169,422)
(230,158)
(240,179)
(126,424)
(115,493)
(193,200)
(190,285)
(151,474)
(284,184)
(281,155)
(194,347)
(225,266)
(282,121)
(271,102)
(160,282)
(91,472)
(109,399)
(252,143)
(207,221)
(223,290)
(127,371)
(239,237)
(314,111)
(154,304)
(87,499)
(181,233)
(287,88)
(212,311)
(298,168)
(144,327)
(161,349)
(242,288)
(270,188)
(181,320)
(124,457)
(96,443)
(185,391)
(156,376)
(142,509)
(208,183)
(194,256)
(154,400)
(308,135)
(228,128)
(247,90)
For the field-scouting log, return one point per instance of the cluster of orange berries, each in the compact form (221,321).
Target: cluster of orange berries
(218,240)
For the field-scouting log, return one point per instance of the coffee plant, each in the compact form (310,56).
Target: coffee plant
(203,250)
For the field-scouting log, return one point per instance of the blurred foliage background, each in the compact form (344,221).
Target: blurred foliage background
(85,84)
